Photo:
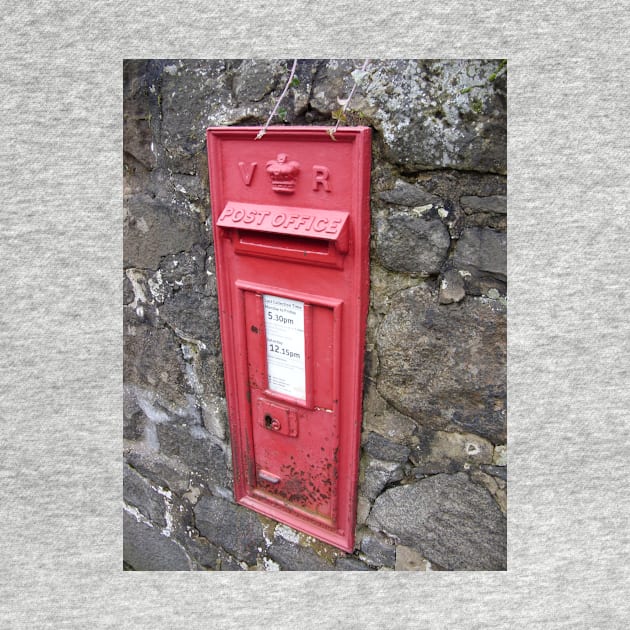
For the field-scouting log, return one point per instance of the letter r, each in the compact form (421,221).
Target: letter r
(320,176)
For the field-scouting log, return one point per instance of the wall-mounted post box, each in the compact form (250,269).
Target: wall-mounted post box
(291,225)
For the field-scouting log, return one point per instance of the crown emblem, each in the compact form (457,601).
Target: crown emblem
(283,173)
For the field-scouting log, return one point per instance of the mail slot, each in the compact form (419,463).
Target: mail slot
(291,227)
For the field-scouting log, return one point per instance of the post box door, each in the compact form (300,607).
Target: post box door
(291,233)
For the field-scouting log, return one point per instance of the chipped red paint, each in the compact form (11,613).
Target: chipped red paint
(291,223)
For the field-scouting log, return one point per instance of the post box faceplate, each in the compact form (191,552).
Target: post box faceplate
(291,226)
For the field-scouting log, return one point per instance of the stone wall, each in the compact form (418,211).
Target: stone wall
(433,476)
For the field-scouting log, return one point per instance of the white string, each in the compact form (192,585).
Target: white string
(331,132)
(263,131)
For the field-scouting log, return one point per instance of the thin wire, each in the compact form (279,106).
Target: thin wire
(263,131)
(332,131)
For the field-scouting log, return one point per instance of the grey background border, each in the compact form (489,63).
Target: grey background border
(61,365)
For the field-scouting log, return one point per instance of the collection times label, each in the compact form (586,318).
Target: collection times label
(284,327)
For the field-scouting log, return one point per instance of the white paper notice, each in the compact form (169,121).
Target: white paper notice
(284,326)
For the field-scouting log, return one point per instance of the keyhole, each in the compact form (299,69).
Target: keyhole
(271,423)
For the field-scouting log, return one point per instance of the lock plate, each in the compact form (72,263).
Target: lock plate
(277,418)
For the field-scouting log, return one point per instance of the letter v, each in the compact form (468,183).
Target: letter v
(247,171)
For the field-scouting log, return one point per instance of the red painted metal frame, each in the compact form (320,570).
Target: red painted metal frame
(298,229)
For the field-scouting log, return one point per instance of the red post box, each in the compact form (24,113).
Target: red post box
(291,224)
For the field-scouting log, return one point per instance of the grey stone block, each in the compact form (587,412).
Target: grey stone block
(137,491)
(493,203)
(451,287)
(412,244)
(160,470)
(194,315)
(153,363)
(204,553)
(146,549)
(195,94)
(446,451)
(381,448)
(496,471)
(377,475)
(134,425)
(228,563)
(482,250)
(350,563)
(448,519)
(292,557)
(232,527)
(431,117)
(445,365)
(406,194)
(137,133)
(192,445)
(408,559)
(378,551)
(153,229)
